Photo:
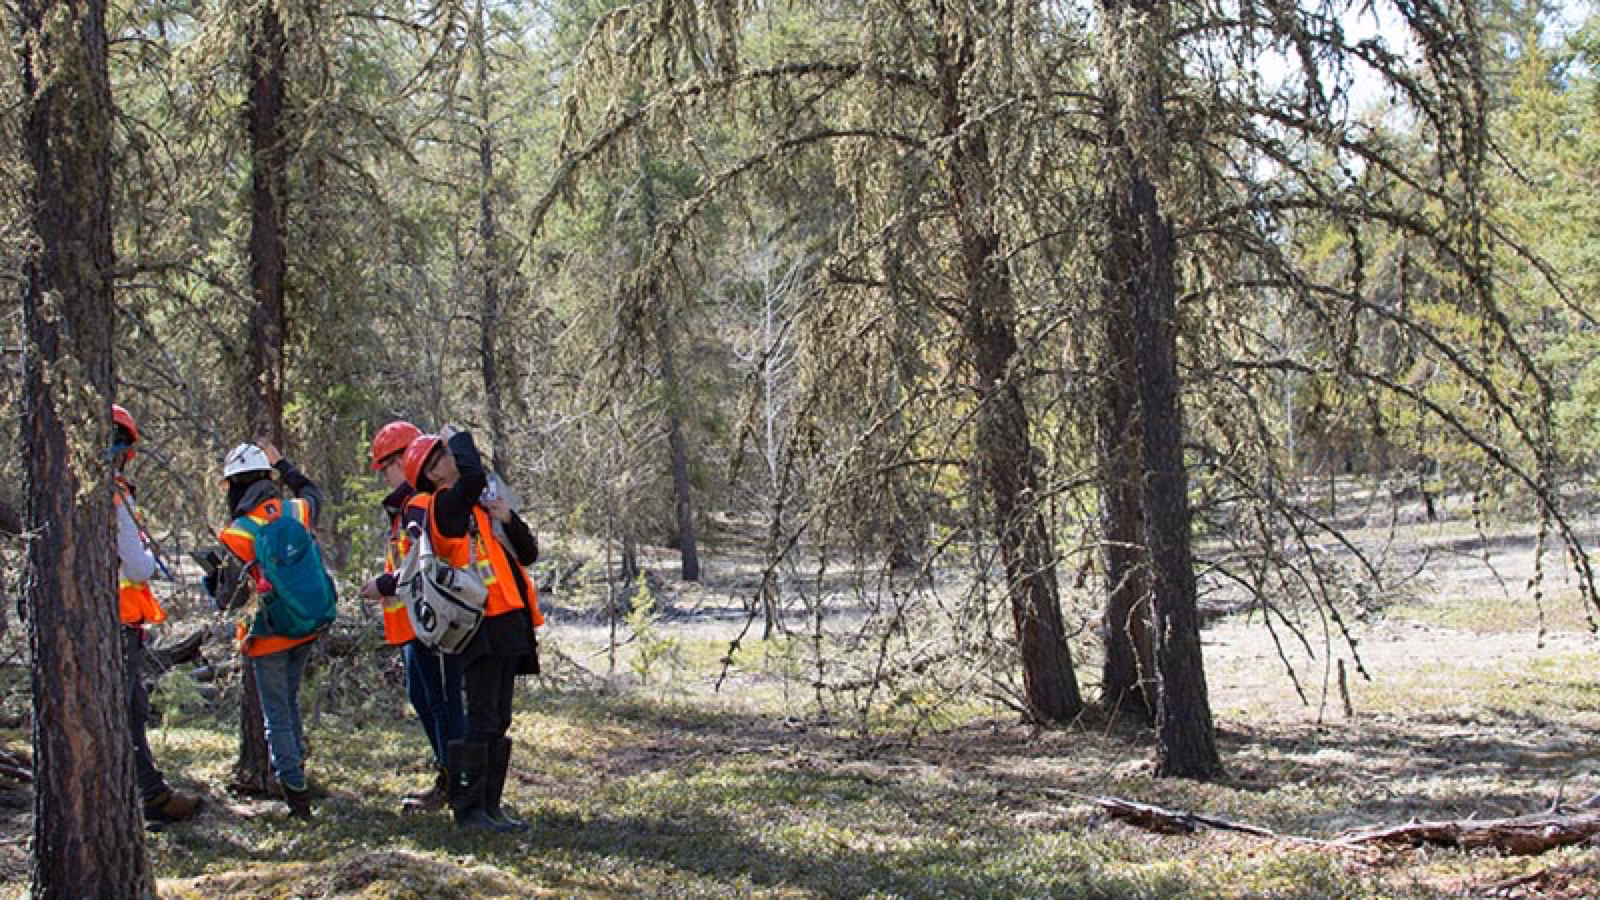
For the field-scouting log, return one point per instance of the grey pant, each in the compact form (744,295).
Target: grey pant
(151,784)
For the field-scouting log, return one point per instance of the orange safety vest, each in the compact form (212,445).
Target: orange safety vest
(396,621)
(487,555)
(136,602)
(242,543)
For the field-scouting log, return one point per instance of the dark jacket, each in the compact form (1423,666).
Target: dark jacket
(509,635)
(394,506)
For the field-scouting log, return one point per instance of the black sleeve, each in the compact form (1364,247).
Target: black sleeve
(523,542)
(452,508)
(414,517)
(303,487)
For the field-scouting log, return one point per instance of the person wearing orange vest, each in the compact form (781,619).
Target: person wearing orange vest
(433,680)
(251,474)
(450,479)
(138,607)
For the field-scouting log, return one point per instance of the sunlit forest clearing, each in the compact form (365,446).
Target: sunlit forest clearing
(653,780)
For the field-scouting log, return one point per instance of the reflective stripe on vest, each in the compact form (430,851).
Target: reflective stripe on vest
(491,561)
(396,621)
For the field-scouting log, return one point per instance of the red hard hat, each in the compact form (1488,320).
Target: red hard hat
(417,456)
(392,438)
(124,418)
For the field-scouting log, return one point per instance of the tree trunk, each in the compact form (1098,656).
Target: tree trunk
(252,771)
(1007,461)
(1139,272)
(269,177)
(1128,675)
(772,455)
(682,489)
(677,446)
(630,560)
(88,837)
(489,318)
(906,527)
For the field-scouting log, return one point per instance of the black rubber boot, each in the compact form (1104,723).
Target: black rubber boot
(495,785)
(299,802)
(468,763)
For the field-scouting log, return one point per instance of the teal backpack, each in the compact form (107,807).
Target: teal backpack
(303,597)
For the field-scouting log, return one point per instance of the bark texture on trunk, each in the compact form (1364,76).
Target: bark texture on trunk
(1129,672)
(677,445)
(269,328)
(1138,267)
(1008,463)
(269,177)
(682,487)
(489,256)
(252,771)
(88,837)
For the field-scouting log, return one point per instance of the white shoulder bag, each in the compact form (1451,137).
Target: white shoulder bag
(445,603)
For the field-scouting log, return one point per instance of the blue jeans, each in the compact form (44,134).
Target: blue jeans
(433,682)
(278,685)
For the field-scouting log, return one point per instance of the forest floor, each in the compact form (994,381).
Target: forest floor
(672,789)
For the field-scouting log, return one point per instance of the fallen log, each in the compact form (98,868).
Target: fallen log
(1171,821)
(341,640)
(1527,835)
(187,650)
(1150,818)
(1520,836)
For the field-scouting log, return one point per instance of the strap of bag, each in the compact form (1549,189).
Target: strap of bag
(423,544)
(472,538)
(421,549)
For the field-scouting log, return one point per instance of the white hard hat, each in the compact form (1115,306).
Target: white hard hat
(245,458)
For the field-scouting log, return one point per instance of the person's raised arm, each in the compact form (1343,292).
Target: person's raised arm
(452,507)
(296,481)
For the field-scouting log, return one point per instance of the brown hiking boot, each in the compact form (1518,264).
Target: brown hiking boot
(171,806)
(431,799)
